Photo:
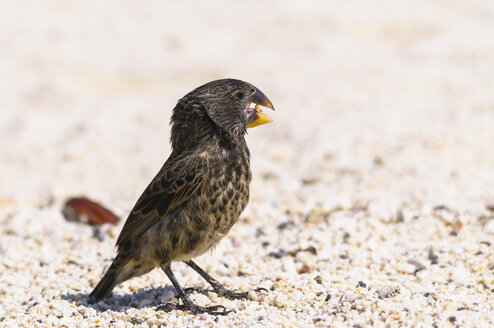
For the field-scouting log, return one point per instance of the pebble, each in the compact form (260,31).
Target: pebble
(460,275)
(489,227)
(490,205)
(388,291)
(280,300)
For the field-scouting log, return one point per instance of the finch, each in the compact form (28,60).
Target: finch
(198,194)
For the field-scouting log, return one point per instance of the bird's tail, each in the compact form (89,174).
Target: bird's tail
(104,287)
(109,280)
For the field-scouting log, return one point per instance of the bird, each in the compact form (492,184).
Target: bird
(197,195)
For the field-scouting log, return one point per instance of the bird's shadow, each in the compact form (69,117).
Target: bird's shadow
(143,298)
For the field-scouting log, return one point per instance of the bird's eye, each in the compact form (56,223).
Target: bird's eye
(240,95)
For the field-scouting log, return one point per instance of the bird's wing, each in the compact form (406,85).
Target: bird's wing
(179,178)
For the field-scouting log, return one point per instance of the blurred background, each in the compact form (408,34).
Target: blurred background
(88,87)
(381,151)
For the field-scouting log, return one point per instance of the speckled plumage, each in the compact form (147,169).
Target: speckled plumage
(200,191)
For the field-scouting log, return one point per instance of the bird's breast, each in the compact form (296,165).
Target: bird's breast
(210,214)
(228,190)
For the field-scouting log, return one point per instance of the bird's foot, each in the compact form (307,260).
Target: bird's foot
(233,295)
(195,309)
(204,291)
(221,291)
(225,292)
(218,287)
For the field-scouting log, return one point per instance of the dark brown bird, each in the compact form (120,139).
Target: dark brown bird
(198,194)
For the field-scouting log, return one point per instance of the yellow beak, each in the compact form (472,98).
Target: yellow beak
(257,117)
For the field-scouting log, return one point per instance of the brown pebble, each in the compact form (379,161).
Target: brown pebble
(457,225)
(399,217)
(304,269)
(81,209)
(490,205)
(309,181)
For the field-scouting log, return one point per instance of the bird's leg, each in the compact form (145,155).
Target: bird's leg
(188,304)
(217,286)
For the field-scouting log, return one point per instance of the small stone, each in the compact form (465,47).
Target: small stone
(489,227)
(388,291)
(350,298)
(278,255)
(460,275)
(378,161)
(286,224)
(289,265)
(280,300)
(304,269)
(136,321)
(399,217)
(98,234)
(310,181)
(257,295)
(432,256)
(311,249)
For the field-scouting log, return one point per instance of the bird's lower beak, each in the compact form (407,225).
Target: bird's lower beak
(255,116)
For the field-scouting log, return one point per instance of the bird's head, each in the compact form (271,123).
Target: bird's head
(234,104)
(229,105)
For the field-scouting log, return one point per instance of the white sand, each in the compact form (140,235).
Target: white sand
(381,157)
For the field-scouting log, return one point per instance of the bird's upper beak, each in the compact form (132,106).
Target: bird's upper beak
(255,116)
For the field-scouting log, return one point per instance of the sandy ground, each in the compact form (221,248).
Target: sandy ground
(372,188)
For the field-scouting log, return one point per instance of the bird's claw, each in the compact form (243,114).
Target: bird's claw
(224,292)
(199,290)
(233,295)
(238,295)
(195,309)
(167,307)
